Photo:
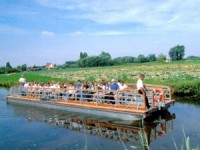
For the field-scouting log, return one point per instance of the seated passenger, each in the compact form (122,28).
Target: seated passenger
(78,84)
(71,91)
(123,86)
(114,85)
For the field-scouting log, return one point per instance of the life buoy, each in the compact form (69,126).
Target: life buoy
(161,94)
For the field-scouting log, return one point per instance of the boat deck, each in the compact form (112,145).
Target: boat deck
(121,102)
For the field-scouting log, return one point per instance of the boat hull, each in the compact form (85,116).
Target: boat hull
(88,111)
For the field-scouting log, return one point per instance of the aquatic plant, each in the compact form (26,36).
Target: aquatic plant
(186,143)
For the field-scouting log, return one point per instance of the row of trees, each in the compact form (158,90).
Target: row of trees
(104,59)
(9,69)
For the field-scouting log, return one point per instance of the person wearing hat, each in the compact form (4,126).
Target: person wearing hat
(114,85)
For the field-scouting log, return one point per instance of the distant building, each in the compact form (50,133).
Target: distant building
(168,60)
(33,68)
(50,66)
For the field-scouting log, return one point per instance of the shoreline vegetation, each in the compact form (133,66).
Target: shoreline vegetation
(182,76)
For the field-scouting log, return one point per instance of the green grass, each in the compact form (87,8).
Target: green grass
(183,76)
(9,80)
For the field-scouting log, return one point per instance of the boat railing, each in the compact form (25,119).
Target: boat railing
(128,97)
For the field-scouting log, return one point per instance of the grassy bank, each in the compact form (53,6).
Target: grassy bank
(9,80)
(183,76)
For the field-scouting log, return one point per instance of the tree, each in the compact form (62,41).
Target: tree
(193,57)
(83,55)
(23,67)
(2,70)
(8,66)
(129,59)
(151,57)
(161,58)
(140,59)
(104,59)
(177,52)
(118,61)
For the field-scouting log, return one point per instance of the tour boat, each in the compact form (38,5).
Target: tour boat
(137,133)
(121,104)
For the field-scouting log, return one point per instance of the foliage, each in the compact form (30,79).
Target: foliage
(177,52)
(193,57)
(8,66)
(104,59)
(151,57)
(123,60)
(140,59)
(161,58)
(2,70)
(83,55)
(186,145)
(183,76)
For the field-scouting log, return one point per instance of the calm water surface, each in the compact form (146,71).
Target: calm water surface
(24,127)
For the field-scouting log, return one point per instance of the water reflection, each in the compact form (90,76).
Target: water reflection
(137,134)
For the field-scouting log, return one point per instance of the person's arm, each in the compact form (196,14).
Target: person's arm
(145,88)
(143,91)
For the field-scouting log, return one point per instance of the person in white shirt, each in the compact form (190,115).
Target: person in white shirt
(142,89)
(22,80)
(123,86)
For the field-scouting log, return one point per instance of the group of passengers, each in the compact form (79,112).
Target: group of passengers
(104,85)
(89,91)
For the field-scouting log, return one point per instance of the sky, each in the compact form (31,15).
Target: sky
(36,32)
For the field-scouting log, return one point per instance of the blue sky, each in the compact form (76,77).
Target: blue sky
(35,32)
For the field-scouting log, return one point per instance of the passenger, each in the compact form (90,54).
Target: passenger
(22,80)
(119,83)
(85,86)
(91,85)
(71,91)
(123,86)
(114,85)
(142,89)
(78,84)
(107,85)
(122,91)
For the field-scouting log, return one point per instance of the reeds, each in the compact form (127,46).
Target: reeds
(185,145)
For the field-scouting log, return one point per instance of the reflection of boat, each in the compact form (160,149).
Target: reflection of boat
(137,133)
(126,104)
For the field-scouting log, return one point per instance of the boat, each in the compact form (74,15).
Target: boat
(121,104)
(138,133)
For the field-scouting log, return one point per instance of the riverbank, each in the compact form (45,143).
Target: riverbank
(183,76)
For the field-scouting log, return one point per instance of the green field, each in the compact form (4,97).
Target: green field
(183,76)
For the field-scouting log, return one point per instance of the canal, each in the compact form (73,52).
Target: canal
(26,127)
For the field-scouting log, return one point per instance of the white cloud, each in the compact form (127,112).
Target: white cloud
(169,15)
(110,33)
(101,33)
(47,33)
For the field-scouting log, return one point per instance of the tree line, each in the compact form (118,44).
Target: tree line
(104,59)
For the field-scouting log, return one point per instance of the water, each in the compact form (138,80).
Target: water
(24,127)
